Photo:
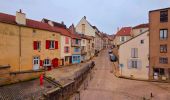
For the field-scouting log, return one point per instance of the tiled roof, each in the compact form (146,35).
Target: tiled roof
(10,19)
(125,31)
(59,27)
(141,26)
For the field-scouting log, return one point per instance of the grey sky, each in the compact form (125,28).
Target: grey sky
(107,15)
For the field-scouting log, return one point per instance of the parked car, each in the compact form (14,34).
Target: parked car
(113,58)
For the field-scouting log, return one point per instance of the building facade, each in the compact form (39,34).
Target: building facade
(27,44)
(136,30)
(65,38)
(159,26)
(133,57)
(122,35)
(75,45)
(84,27)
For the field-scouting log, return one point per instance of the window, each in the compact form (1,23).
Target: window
(164,16)
(75,58)
(134,52)
(76,49)
(67,40)
(51,44)
(83,28)
(163,34)
(77,41)
(163,48)
(122,38)
(134,64)
(163,60)
(142,41)
(47,62)
(160,71)
(66,49)
(37,45)
(83,41)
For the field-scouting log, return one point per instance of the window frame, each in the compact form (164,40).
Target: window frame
(164,16)
(47,62)
(163,34)
(163,48)
(163,60)
(52,44)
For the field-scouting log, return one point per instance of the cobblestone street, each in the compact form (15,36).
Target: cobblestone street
(105,86)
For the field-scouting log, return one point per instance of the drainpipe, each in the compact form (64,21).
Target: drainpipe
(19,48)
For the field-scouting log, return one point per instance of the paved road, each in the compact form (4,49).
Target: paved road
(105,86)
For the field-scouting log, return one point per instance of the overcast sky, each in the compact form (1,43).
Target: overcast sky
(107,15)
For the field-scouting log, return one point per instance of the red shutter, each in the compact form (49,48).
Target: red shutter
(56,44)
(41,63)
(64,49)
(47,44)
(35,45)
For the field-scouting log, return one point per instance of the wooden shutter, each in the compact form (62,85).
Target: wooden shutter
(132,52)
(35,45)
(136,52)
(47,44)
(139,64)
(41,63)
(56,44)
(129,64)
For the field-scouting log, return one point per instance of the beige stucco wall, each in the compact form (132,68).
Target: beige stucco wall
(10,46)
(117,39)
(88,29)
(138,31)
(143,52)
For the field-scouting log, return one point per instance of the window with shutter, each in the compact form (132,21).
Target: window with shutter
(134,52)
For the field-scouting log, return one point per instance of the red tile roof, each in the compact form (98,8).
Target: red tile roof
(141,26)
(125,31)
(10,19)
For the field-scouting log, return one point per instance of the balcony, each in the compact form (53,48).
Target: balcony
(76,43)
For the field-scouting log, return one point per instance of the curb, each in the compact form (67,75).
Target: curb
(156,81)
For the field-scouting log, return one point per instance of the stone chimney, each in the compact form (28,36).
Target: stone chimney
(62,22)
(117,28)
(20,18)
(84,17)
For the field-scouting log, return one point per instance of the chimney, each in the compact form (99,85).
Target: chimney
(62,22)
(117,28)
(84,17)
(20,18)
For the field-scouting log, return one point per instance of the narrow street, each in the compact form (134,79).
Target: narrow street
(105,86)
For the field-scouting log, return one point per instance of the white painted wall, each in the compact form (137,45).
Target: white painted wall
(143,52)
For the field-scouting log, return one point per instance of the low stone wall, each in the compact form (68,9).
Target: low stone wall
(7,77)
(66,91)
